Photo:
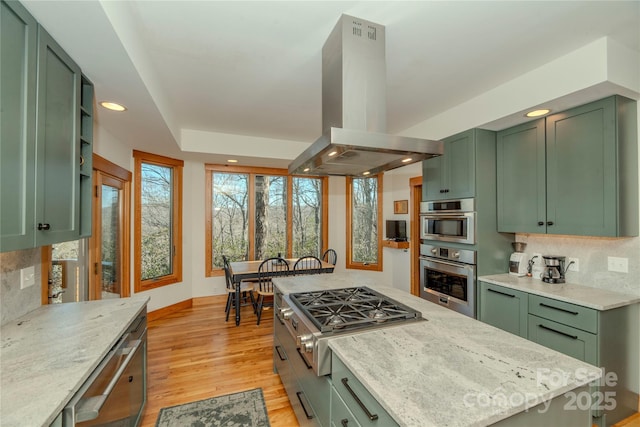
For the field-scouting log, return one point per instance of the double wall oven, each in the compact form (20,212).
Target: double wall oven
(448,254)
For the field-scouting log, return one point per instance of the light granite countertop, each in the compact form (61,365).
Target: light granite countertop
(451,369)
(47,354)
(599,299)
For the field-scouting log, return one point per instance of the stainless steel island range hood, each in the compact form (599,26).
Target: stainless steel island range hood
(354,79)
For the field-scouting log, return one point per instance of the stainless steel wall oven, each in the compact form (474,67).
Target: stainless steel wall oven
(448,221)
(448,277)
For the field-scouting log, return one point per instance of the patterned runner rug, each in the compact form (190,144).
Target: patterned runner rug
(246,408)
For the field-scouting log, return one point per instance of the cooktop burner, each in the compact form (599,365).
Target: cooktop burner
(350,308)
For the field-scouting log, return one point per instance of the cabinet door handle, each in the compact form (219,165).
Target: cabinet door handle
(575,337)
(575,313)
(501,293)
(44,226)
(278,348)
(344,422)
(540,223)
(442,191)
(372,417)
(304,408)
(549,222)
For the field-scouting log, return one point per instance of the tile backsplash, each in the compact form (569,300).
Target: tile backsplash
(14,302)
(592,253)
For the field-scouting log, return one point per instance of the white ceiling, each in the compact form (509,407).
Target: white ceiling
(253,68)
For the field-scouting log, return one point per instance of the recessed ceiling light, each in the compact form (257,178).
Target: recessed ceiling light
(537,113)
(232,161)
(408,159)
(306,169)
(333,153)
(366,173)
(113,106)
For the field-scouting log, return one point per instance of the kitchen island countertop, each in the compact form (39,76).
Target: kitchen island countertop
(450,369)
(47,354)
(596,298)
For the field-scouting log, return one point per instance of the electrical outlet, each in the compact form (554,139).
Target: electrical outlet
(620,265)
(27,277)
(574,264)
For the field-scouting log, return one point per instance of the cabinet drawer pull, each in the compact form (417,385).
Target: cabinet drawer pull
(44,226)
(344,422)
(575,313)
(304,408)
(372,417)
(303,359)
(278,348)
(501,293)
(575,337)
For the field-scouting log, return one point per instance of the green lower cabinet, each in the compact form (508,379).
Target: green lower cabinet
(503,308)
(341,416)
(357,399)
(565,339)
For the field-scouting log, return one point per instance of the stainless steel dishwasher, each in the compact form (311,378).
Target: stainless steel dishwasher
(116,392)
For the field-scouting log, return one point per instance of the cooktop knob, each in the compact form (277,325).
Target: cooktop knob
(286,313)
(434,251)
(456,255)
(305,342)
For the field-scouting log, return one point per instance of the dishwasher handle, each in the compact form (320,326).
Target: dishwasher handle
(89,408)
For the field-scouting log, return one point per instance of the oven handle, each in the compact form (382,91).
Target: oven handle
(89,408)
(451,264)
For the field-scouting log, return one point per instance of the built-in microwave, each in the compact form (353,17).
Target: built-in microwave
(448,221)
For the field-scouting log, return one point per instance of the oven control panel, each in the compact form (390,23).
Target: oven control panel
(452,254)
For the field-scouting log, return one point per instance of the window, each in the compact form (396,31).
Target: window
(158,221)
(255,213)
(364,202)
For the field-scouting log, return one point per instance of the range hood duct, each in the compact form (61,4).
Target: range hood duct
(354,79)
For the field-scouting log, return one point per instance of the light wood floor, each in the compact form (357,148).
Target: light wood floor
(194,354)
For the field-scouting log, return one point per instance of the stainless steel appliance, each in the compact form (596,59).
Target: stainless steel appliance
(518,261)
(305,321)
(448,221)
(448,277)
(553,269)
(354,117)
(116,392)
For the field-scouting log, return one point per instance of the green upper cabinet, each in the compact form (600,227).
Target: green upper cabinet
(452,175)
(521,178)
(590,167)
(57,144)
(41,148)
(18,56)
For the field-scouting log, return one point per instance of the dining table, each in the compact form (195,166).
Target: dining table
(248,270)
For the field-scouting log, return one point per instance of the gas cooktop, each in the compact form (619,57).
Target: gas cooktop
(351,308)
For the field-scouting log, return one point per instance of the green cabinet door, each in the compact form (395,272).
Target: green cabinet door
(452,175)
(521,178)
(503,308)
(582,170)
(57,144)
(18,56)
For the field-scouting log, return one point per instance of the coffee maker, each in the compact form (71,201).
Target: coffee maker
(518,260)
(553,269)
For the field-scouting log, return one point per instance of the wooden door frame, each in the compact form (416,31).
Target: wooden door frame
(415,185)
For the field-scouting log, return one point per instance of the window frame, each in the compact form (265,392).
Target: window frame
(210,271)
(177,169)
(350,263)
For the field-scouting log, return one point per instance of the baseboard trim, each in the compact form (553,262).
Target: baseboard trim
(165,311)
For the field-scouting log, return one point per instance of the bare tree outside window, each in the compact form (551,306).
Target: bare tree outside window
(230,222)
(156,216)
(307,216)
(364,226)
(271,216)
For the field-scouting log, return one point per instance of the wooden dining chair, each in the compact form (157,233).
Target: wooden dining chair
(330,256)
(307,265)
(268,268)
(245,288)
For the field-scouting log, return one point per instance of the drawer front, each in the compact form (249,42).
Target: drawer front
(341,416)
(563,312)
(565,339)
(504,308)
(367,411)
